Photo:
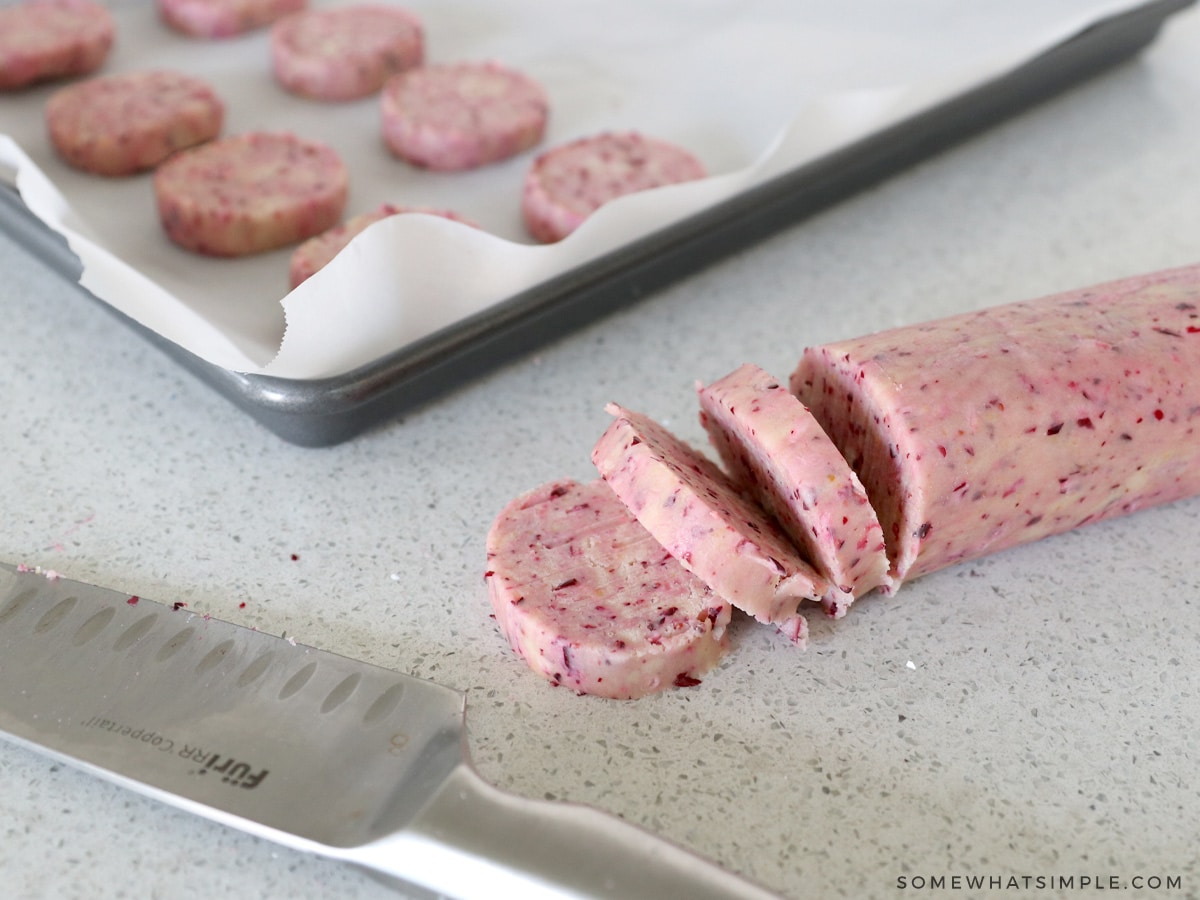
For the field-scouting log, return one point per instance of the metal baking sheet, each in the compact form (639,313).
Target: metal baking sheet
(328,411)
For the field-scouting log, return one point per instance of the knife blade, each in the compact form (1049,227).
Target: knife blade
(304,747)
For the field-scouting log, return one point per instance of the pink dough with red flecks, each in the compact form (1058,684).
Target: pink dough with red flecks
(700,515)
(457,116)
(568,183)
(592,602)
(250,193)
(774,448)
(42,40)
(130,122)
(346,52)
(982,431)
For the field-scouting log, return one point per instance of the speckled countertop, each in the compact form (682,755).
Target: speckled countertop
(1031,715)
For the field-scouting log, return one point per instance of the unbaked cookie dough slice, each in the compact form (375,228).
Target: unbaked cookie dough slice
(772,445)
(316,253)
(346,52)
(463,115)
(698,513)
(566,184)
(592,602)
(128,123)
(41,40)
(250,193)
(224,18)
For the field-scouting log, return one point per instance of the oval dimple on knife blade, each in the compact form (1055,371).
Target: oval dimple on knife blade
(385,704)
(54,616)
(297,682)
(215,656)
(16,604)
(340,694)
(135,632)
(256,669)
(177,642)
(91,629)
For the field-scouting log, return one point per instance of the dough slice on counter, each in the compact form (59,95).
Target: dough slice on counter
(345,52)
(250,193)
(772,446)
(462,115)
(568,183)
(982,431)
(697,512)
(224,18)
(128,123)
(316,253)
(592,602)
(42,40)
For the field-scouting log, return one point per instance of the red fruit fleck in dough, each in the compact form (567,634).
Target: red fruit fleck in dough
(592,602)
(568,183)
(345,52)
(775,449)
(457,116)
(701,516)
(990,429)
(42,40)
(250,193)
(127,123)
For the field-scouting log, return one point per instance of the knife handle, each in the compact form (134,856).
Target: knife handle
(473,840)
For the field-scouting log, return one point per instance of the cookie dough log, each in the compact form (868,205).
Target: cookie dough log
(42,40)
(772,446)
(224,18)
(347,52)
(568,183)
(990,429)
(250,193)
(458,116)
(700,515)
(592,602)
(317,252)
(127,123)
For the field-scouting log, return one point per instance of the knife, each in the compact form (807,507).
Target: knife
(306,748)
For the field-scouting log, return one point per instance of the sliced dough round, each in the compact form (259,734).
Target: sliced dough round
(250,193)
(696,511)
(462,115)
(771,444)
(127,123)
(316,253)
(568,183)
(224,18)
(346,52)
(41,40)
(592,602)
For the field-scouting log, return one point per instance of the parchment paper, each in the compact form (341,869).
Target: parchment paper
(753,87)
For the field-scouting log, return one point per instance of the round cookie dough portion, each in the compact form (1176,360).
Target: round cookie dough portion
(224,18)
(566,184)
(592,602)
(250,193)
(701,516)
(346,52)
(128,123)
(41,40)
(774,448)
(317,252)
(462,115)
